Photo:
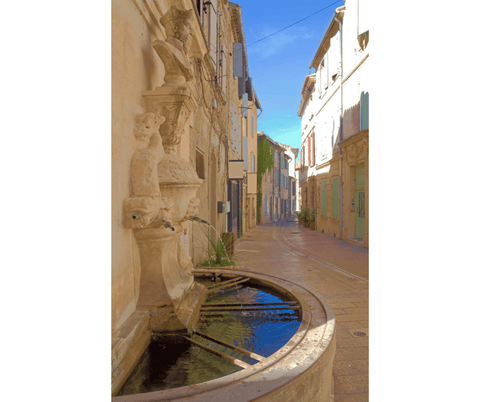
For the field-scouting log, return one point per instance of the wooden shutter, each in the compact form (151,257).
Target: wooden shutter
(234,140)
(237,60)
(239,135)
(323,73)
(364,110)
(212,30)
(245,105)
(335,198)
(223,70)
(245,153)
(363,23)
(309,151)
(313,148)
(324,199)
(334,57)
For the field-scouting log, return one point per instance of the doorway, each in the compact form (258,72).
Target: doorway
(359,200)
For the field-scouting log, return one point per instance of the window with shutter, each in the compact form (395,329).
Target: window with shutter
(334,57)
(237,60)
(223,70)
(324,199)
(212,30)
(245,105)
(309,152)
(313,148)
(234,139)
(364,110)
(239,134)
(245,153)
(323,73)
(335,198)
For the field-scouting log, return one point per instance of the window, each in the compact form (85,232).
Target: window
(313,148)
(324,199)
(200,165)
(335,198)
(234,140)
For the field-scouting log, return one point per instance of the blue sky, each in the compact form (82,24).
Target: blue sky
(278,65)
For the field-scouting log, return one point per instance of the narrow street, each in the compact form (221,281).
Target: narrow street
(336,269)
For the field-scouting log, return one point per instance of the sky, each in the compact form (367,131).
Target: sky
(279,64)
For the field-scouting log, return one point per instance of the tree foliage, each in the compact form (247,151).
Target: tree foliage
(264,164)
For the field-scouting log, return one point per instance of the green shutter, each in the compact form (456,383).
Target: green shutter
(364,111)
(335,198)
(324,198)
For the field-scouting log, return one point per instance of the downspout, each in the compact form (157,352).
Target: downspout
(340,234)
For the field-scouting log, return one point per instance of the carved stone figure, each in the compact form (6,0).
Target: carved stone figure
(143,207)
(174,50)
(177,23)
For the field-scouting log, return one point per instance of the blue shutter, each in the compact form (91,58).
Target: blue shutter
(233,126)
(245,153)
(239,134)
(237,60)
(245,105)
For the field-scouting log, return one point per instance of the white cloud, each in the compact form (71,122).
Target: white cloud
(277,42)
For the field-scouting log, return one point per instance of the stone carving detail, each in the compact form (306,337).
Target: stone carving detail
(173,99)
(178,25)
(174,50)
(143,208)
(357,152)
(173,129)
(192,209)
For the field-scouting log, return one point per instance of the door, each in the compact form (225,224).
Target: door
(233,198)
(359,200)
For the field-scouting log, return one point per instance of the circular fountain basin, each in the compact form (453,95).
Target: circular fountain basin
(302,370)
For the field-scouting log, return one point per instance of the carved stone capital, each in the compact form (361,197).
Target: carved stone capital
(357,152)
(176,107)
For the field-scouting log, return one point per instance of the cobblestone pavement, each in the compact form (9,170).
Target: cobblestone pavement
(336,269)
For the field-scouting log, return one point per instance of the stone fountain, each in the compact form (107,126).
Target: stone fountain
(163,197)
(164,187)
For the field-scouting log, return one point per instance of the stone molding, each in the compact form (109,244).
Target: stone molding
(357,152)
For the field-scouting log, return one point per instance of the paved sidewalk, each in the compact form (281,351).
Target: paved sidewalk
(323,264)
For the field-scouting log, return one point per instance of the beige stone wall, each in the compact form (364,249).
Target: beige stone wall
(136,68)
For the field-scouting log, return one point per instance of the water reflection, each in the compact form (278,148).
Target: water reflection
(176,362)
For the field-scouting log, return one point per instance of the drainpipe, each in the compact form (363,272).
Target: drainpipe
(340,234)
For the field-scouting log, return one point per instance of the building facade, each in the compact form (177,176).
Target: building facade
(335,128)
(279,184)
(182,65)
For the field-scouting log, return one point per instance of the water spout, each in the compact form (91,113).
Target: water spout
(168,225)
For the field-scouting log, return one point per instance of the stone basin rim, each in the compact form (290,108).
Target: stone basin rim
(202,390)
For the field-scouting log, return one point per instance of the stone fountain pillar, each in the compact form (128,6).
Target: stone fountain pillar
(164,187)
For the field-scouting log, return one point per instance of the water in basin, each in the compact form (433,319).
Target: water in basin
(171,362)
